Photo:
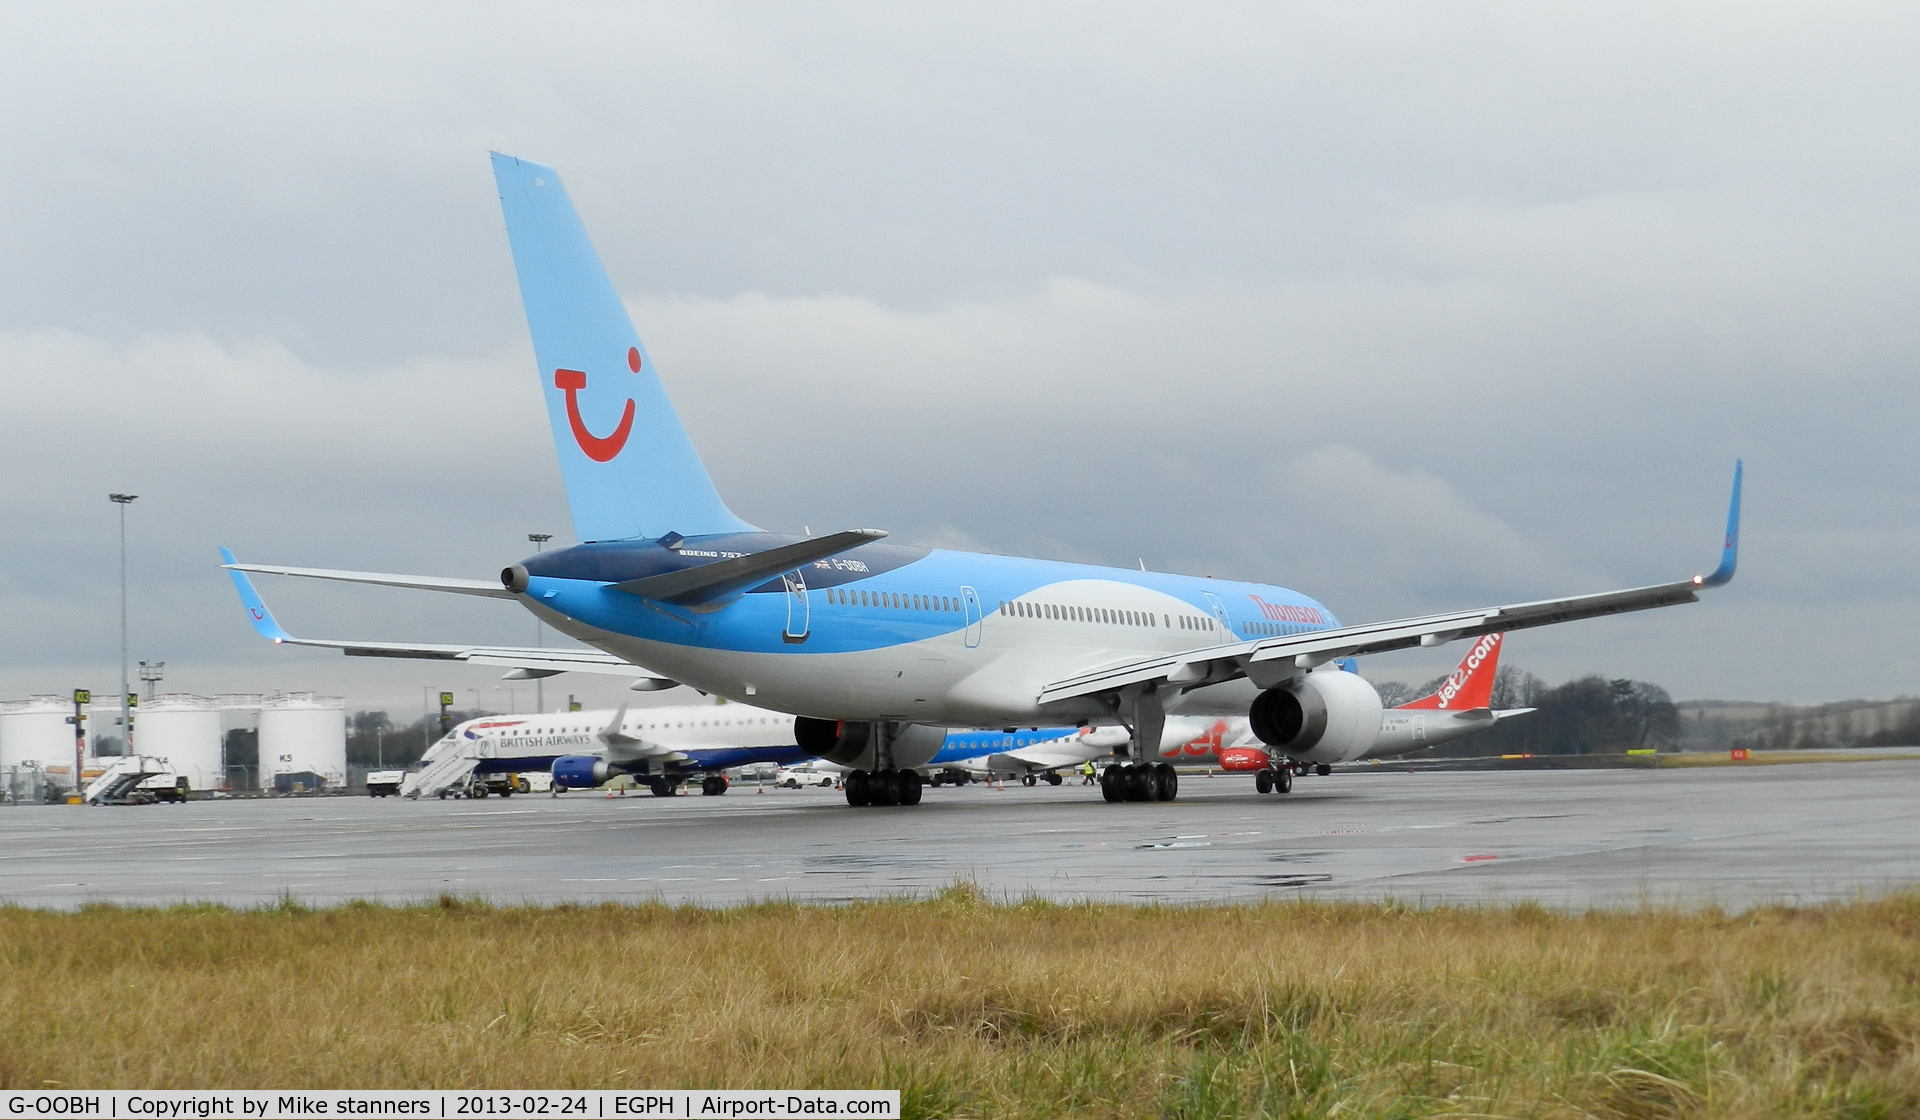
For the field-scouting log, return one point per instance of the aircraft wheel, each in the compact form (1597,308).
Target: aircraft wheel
(1140,783)
(856,786)
(884,789)
(909,787)
(1053,779)
(1166,785)
(1283,780)
(661,787)
(1110,784)
(1323,769)
(1263,782)
(1029,780)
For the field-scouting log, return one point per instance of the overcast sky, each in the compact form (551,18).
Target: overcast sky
(1410,307)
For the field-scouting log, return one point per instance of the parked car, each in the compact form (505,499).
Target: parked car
(794,777)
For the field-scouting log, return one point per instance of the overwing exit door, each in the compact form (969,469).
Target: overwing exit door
(799,608)
(970,602)
(1220,613)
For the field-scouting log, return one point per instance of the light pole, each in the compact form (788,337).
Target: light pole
(126,709)
(152,673)
(539,629)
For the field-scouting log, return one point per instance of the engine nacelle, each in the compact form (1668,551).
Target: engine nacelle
(514,577)
(1327,716)
(1244,759)
(850,743)
(581,771)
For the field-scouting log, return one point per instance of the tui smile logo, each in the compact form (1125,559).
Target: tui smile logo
(600,449)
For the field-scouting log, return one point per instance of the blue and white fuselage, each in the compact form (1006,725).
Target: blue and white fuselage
(889,632)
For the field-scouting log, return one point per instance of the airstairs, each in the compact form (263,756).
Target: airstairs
(449,770)
(120,783)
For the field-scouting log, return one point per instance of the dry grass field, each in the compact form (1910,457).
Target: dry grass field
(1785,758)
(1291,1009)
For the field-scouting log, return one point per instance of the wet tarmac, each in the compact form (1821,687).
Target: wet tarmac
(1728,836)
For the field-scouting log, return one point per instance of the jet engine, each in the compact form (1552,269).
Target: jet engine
(1326,716)
(581,771)
(851,743)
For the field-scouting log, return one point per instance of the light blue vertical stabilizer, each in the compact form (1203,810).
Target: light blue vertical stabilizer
(630,470)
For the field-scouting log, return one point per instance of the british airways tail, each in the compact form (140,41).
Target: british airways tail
(630,469)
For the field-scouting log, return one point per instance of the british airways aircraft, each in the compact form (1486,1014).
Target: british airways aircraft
(875,645)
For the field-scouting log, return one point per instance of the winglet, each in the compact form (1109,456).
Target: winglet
(257,611)
(1730,550)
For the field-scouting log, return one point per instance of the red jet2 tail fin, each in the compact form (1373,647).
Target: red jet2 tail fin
(1470,685)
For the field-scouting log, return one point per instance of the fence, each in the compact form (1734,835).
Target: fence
(25,785)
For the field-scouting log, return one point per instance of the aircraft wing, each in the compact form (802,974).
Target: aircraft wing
(488,588)
(1059,753)
(527,662)
(1278,657)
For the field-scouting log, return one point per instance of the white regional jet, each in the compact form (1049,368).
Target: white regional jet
(868,640)
(659,747)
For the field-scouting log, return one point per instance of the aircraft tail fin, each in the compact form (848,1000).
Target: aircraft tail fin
(630,468)
(1470,685)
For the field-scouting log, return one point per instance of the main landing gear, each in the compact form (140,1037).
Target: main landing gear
(883,787)
(1144,782)
(1274,781)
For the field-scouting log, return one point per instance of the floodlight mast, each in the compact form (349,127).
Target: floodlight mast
(152,672)
(539,629)
(126,705)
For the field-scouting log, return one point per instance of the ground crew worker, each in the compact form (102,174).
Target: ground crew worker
(1086,773)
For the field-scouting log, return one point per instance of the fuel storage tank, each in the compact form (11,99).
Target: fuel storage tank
(36,731)
(303,734)
(184,730)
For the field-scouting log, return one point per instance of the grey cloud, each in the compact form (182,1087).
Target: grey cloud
(1233,290)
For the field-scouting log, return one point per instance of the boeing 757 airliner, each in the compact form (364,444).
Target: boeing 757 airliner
(871,642)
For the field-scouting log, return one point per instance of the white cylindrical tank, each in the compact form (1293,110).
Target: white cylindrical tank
(301,733)
(36,731)
(184,730)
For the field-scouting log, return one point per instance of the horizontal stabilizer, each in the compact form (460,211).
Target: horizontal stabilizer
(722,578)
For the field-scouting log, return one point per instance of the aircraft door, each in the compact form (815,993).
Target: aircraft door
(799,609)
(971,603)
(1220,614)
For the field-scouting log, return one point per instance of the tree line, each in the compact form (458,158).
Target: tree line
(1588,715)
